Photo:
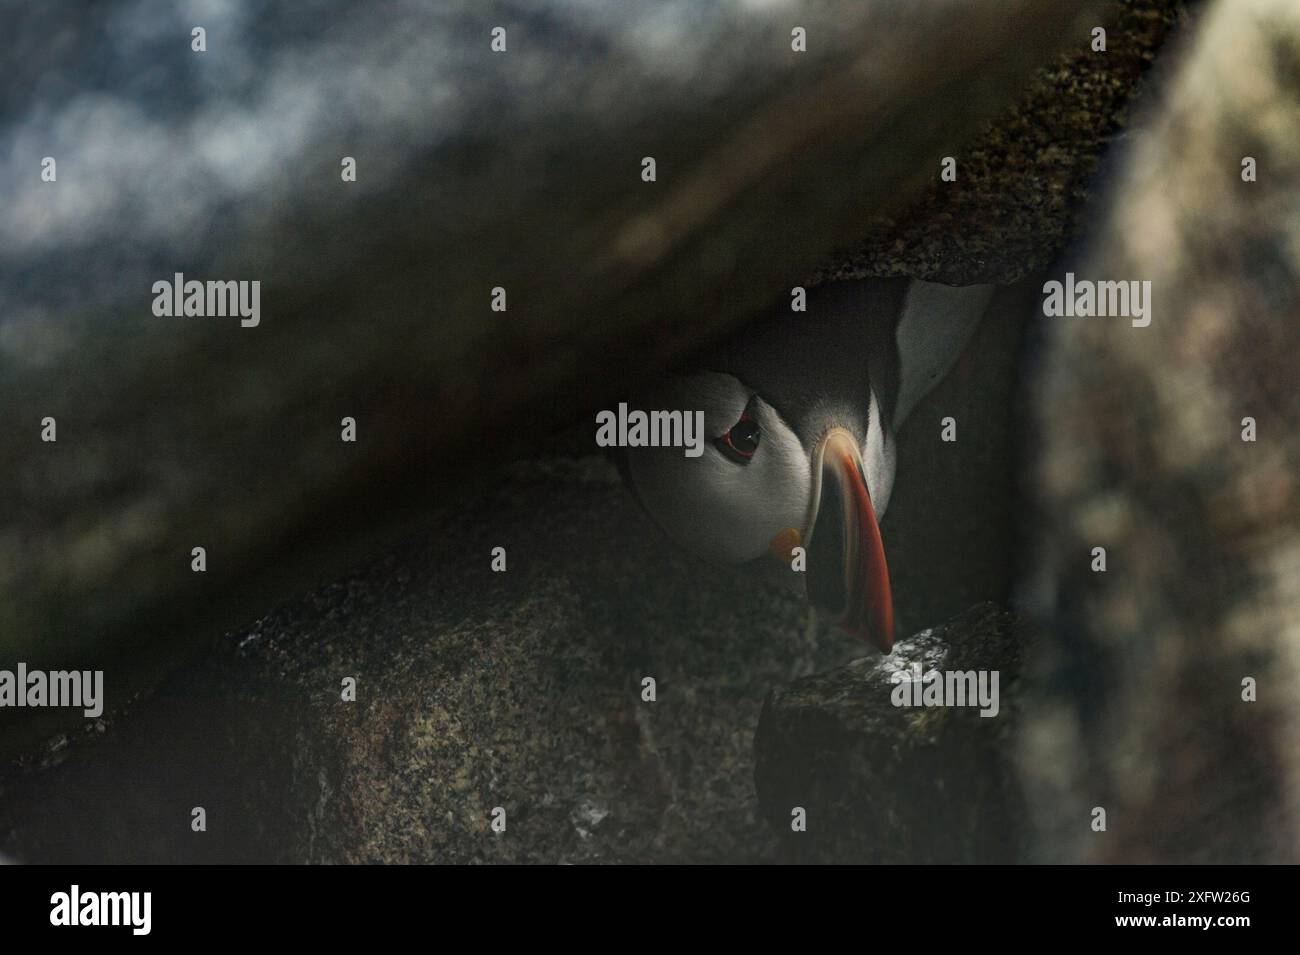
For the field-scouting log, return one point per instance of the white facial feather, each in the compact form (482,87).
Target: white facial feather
(720,509)
(878,461)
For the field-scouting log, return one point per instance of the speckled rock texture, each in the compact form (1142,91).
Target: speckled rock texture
(1141,689)
(887,784)
(523,690)
(475,690)
(1024,182)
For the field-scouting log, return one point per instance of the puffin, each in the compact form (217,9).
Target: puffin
(801,412)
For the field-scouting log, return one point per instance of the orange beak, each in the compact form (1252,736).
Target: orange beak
(847,573)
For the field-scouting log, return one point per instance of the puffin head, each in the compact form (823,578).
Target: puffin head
(798,462)
(766,485)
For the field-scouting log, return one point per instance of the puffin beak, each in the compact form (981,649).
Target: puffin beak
(847,574)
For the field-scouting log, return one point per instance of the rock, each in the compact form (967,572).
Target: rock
(1024,183)
(476,170)
(887,784)
(1140,704)
(475,690)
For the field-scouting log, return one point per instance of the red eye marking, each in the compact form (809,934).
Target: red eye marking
(740,443)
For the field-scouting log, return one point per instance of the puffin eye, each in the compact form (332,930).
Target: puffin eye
(740,443)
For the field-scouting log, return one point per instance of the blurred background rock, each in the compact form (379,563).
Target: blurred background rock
(1139,699)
